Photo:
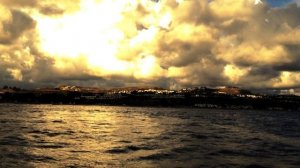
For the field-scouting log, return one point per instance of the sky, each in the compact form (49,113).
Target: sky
(167,43)
(279,3)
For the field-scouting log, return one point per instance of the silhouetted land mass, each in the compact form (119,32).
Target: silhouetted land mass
(200,97)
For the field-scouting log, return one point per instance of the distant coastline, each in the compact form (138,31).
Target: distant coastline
(197,97)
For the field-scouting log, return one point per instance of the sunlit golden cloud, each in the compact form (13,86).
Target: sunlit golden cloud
(168,43)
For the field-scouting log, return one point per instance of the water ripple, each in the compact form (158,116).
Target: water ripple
(111,136)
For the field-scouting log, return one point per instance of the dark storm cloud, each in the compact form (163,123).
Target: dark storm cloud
(51,10)
(294,64)
(19,23)
(191,52)
(263,73)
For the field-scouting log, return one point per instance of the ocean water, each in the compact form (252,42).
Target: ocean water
(109,136)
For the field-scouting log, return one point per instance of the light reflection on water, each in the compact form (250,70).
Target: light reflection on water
(106,136)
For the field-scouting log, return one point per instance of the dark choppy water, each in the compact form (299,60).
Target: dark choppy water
(97,136)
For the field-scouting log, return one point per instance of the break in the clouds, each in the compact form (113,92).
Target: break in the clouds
(169,43)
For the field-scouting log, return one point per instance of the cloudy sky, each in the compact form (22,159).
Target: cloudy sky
(168,43)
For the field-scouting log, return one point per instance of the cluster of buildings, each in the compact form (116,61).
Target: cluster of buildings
(202,97)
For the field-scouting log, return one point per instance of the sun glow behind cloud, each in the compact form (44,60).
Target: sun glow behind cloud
(90,32)
(94,33)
